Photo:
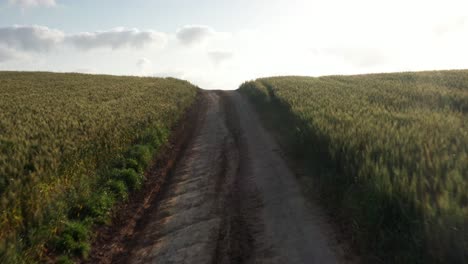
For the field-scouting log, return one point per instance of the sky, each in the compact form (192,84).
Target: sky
(220,44)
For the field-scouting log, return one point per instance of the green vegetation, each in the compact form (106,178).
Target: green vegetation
(389,152)
(71,146)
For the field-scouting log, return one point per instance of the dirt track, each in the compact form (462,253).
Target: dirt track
(232,199)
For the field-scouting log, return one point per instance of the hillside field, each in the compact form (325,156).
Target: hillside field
(71,146)
(387,152)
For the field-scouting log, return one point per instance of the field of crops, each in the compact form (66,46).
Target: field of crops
(388,151)
(71,145)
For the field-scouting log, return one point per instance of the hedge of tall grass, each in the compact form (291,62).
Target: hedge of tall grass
(71,146)
(390,153)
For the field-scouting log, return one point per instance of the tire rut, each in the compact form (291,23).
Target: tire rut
(235,239)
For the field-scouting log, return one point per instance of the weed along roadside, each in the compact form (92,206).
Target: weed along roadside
(124,176)
(81,146)
(387,153)
(113,241)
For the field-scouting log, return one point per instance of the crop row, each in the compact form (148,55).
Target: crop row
(71,145)
(391,152)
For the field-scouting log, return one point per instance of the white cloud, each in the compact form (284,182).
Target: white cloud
(357,56)
(218,57)
(143,62)
(42,39)
(85,70)
(144,65)
(452,25)
(117,38)
(30,38)
(179,74)
(32,3)
(194,34)
(7,54)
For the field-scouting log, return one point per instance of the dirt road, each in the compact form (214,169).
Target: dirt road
(232,199)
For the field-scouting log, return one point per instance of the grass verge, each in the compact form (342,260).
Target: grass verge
(312,118)
(71,147)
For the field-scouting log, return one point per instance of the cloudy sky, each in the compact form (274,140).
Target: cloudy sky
(219,44)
